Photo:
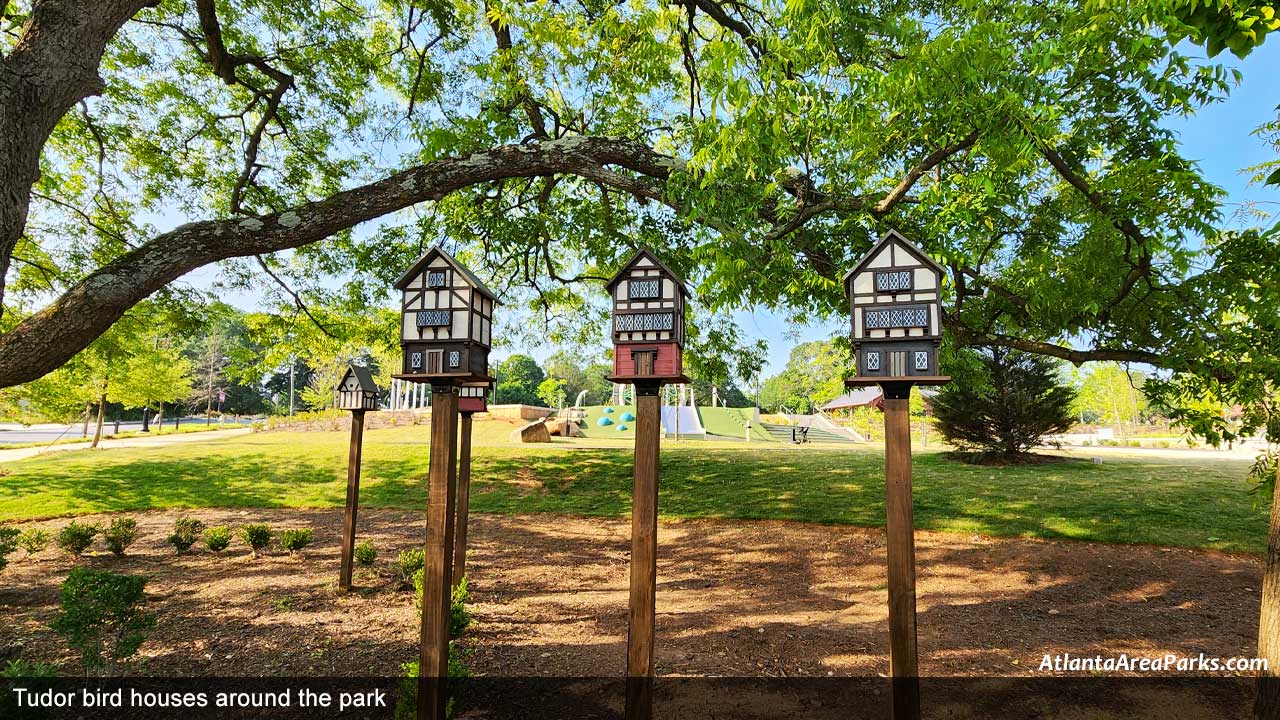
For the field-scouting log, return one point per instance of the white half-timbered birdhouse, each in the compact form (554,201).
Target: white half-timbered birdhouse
(447,321)
(895,311)
(648,320)
(356,390)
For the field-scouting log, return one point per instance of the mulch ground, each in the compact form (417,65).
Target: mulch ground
(735,598)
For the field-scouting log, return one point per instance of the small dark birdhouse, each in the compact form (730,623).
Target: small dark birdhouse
(648,321)
(895,311)
(447,321)
(473,398)
(356,390)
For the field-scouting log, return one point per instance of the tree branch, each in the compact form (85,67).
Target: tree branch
(50,337)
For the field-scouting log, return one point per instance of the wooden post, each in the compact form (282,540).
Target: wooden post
(433,664)
(644,555)
(353,499)
(464,501)
(900,533)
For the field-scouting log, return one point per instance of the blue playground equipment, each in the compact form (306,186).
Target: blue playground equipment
(628,417)
(608,409)
(622,428)
(604,422)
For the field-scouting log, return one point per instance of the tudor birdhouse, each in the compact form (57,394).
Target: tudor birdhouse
(356,390)
(895,312)
(446,322)
(648,320)
(473,398)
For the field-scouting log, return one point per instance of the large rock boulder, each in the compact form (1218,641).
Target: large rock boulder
(535,432)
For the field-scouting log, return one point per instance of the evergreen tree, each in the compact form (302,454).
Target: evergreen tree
(1008,407)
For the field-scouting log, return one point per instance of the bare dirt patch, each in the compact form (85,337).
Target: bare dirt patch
(735,599)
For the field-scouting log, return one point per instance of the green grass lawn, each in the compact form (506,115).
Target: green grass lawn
(1186,502)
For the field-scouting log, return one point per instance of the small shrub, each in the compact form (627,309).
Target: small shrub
(75,538)
(28,669)
(120,534)
(33,541)
(295,540)
(185,533)
(409,563)
(365,554)
(8,543)
(101,618)
(217,538)
(257,536)
(459,618)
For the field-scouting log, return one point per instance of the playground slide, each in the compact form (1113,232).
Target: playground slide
(689,423)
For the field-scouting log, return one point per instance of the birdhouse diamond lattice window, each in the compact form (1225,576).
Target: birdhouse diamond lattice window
(894,307)
(447,320)
(648,320)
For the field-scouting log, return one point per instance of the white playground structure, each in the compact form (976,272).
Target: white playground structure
(679,410)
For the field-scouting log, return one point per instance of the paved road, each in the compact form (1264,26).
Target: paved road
(14,433)
(13,454)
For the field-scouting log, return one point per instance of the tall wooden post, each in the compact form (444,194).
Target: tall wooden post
(644,554)
(464,501)
(353,499)
(900,533)
(433,665)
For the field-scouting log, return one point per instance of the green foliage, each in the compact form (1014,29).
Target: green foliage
(33,541)
(364,553)
(814,375)
(120,534)
(157,374)
(76,537)
(101,617)
(8,543)
(1020,399)
(551,393)
(186,531)
(409,563)
(459,617)
(1263,475)
(257,536)
(518,379)
(1109,393)
(28,669)
(294,540)
(217,538)
(1238,25)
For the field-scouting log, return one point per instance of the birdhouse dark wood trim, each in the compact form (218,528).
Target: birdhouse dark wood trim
(446,321)
(648,320)
(895,312)
(356,390)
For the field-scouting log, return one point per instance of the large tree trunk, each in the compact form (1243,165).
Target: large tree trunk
(53,66)
(1267,704)
(102,409)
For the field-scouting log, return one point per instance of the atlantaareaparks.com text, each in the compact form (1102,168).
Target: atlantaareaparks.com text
(1164,663)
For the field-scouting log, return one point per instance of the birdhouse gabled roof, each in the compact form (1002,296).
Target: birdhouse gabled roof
(363,376)
(890,237)
(432,254)
(645,253)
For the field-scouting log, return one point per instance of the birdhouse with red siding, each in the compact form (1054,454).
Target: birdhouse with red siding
(473,398)
(648,321)
(446,321)
(895,313)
